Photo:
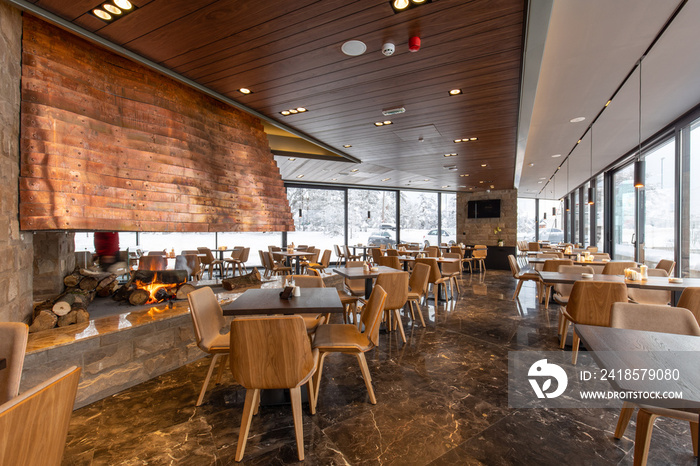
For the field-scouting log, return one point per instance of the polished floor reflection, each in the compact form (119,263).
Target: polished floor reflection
(441,399)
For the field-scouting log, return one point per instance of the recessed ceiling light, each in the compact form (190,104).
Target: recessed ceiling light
(492,186)
(102,14)
(473,139)
(112,9)
(400,4)
(300,176)
(353,48)
(578,142)
(334,179)
(556,155)
(427,179)
(291,159)
(245,90)
(543,178)
(301,109)
(284,112)
(347,146)
(354,170)
(446,186)
(462,186)
(457,140)
(481,182)
(466,174)
(608,103)
(531,164)
(449,155)
(577,119)
(378,123)
(293,110)
(123,4)
(484,164)
(386,179)
(386,122)
(455,91)
(539,182)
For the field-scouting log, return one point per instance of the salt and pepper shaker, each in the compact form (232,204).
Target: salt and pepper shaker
(644,269)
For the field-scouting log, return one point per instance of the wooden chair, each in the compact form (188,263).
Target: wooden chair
(392,253)
(346,338)
(13,345)
(312,321)
(520,276)
(690,299)
(592,249)
(641,296)
(396,286)
(324,263)
(277,268)
(589,304)
(237,261)
(34,425)
(339,254)
(208,321)
(452,271)
(304,263)
(155,262)
(479,256)
(377,255)
(211,261)
(533,246)
(551,265)
(435,279)
(562,291)
(667,265)
(264,260)
(390,261)
(418,287)
(599,256)
(355,287)
(653,318)
(272,352)
(156,253)
(190,263)
(348,256)
(432,251)
(618,267)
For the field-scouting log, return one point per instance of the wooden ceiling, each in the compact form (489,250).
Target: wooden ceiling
(288,53)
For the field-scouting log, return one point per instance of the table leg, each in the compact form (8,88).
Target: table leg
(296,267)
(368,287)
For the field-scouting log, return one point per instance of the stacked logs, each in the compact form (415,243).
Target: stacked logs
(70,307)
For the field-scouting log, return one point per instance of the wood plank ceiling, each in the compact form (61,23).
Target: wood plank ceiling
(288,54)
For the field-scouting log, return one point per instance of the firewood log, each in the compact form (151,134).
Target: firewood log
(88,283)
(63,305)
(139,297)
(72,280)
(184,290)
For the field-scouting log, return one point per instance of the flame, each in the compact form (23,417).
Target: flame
(153,288)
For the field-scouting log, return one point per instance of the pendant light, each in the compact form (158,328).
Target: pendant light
(567,207)
(591,187)
(554,193)
(639,163)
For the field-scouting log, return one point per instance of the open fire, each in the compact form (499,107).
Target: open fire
(155,286)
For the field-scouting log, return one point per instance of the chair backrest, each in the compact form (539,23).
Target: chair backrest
(156,253)
(153,263)
(207,317)
(336,248)
(189,251)
(618,267)
(376,255)
(435,274)
(357,285)
(590,301)
(563,289)
(533,246)
(390,261)
(456,250)
(654,318)
(208,255)
(452,267)
(347,251)
(313,258)
(313,272)
(307,281)
(326,259)
(271,260)
(13,345)
(592,248)
(34,425)
(270,352)
(236,254)
(690,299)
(642,296)
(246,254)
(552,265)
(418,281)
(479,251)
(189,262)
(372,313)
(514,267)
(396,286)
(303,247)
(432,251)
(599,256)
(263,259)
(392,253)
(667,265)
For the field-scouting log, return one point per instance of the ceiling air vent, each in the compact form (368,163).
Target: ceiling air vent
(393,111)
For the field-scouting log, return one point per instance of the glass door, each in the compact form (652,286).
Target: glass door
(624,238)
(659,204)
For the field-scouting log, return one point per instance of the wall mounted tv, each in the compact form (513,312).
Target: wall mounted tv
(490,208)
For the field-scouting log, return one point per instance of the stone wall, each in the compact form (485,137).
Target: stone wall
(116,361)
(54,258)
(16,253)
(480,230)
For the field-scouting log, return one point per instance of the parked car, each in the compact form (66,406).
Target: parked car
(431,238)
(553,235)
(382,238)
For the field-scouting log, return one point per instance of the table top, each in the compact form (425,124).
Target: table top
(617,348)
(295,253)
(358,272)
(542,260)
(268,301)
(651,283)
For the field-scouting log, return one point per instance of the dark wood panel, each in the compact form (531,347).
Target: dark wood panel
(109,145)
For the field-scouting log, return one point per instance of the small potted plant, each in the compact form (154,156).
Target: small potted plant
(497,232)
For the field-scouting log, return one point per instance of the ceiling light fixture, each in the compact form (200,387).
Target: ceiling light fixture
(484,164)
(291,159)
(466,174)
(608,103)
(347,146)
(292,111)
(355,170)
(353,48)
(639,163)
(591,187)
(556,155)
(577,119)
(301,109)
(383,123)
(449,155)
(386,179)
(446,186)
(111,11)
(300,176)
(403,5)
(386,122)
(378,123)
(284,112)
(245,90)
(455,91)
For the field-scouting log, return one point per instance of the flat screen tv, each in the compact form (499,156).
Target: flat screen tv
(490,208)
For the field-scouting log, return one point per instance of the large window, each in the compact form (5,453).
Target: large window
(84,241)
(526,219)
(599,211)
(693,234)
(550,224)
(623,213)
(449,217)
(585,208)
(319,217)
(256,241)
(419,217)
(575,210)
(372,217)
(659,203)
(175,241)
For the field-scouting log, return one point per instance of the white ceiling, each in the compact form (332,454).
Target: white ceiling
(590,47)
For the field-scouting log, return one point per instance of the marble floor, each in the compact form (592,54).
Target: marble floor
(441,400)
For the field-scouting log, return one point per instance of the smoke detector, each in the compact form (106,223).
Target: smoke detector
(393,111)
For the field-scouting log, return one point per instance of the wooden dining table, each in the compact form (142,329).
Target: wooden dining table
(356,273)
(622,349)
(295,256)
(268,301)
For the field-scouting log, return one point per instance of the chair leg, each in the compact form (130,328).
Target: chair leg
(251,397)
(295,395)
(574,347)
(206,379)
(420,314)
(368,378)
(694,435)
(624,419)
(400,324)
(222,364)
(564,332)
(311,392)
(517,290)
(319,371)
(642,438)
